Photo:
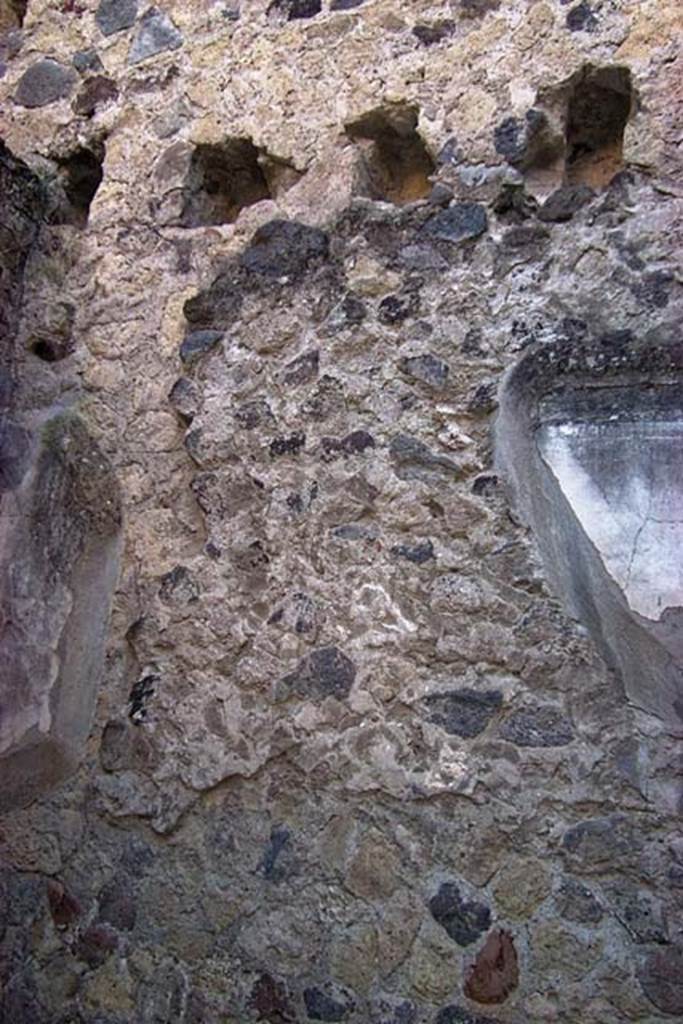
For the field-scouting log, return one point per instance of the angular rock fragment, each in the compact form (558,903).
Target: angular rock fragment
(427,368)
(562,204)
(198,343)
(115,15)
(156,33)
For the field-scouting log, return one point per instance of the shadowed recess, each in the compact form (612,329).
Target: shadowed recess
(224,178)
(12,13)
(599,107)
(394,163)
(80,174)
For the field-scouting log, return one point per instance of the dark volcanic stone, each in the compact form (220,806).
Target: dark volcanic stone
(294,9)
(654,289)
(581,19)
(198,343)
(325,672)
(184,398)
(411,455)
(115,15)
(537,727)
(290,445)
(459,1015)
(44,82)
(661,978)
(495,972)
(565,202)
(576,902)
(254,414)
(15,450)
(321,1006)
(417,553)
(345,5)
(477,8)
(94,92)
(395,308)
(526,141)
(428,35)
(355,443)
(303,369)
(284,248)
(279,838)
(463,713)
(428,368)
(156,33)
(457,223)
(464,920)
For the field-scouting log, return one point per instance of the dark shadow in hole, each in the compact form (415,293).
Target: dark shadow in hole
(395,165)
(49,351)
(80,174)
(12,13)
(599,107)
(226,177)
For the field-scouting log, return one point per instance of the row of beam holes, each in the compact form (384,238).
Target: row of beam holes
(12,14)
(394,164)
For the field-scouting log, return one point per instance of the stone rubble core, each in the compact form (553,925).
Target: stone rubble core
(339,387)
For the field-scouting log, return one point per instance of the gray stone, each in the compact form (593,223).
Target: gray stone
(198,343)
(427,368)
(156,33)
(565,202)
(115,15)
(15,452)
(459,1015)
(576,902)
(464,920)
(458,223)
(599,843)
(327,1005)
(537,727)
(325,672)
(417,553)
(642,918)
(464,712)
(412,457)
(87,60)
(45,82)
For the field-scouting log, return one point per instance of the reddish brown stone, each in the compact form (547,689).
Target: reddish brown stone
(494,974)
(64,907)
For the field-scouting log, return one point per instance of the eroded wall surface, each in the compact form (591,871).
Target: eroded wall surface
(360,753)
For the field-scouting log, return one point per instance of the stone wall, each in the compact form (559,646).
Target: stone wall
(368,746)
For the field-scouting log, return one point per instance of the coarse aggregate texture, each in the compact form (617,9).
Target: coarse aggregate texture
(353,758)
